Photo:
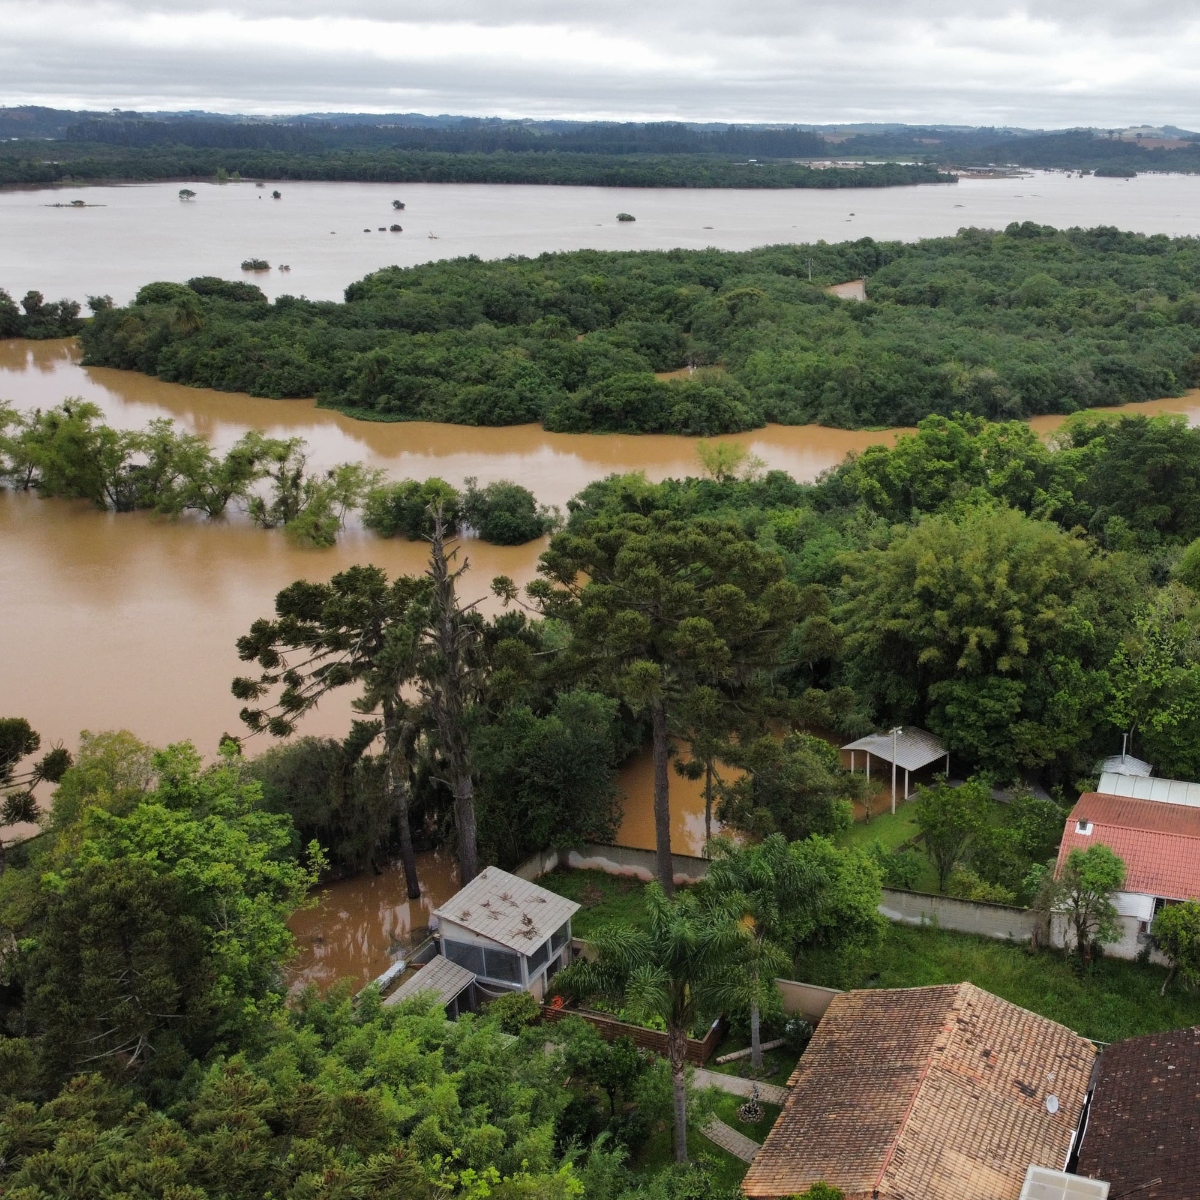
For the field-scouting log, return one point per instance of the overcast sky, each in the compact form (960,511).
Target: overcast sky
(1056,63)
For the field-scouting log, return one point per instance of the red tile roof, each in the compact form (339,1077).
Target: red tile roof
(1144,1123)
(932,1093)
(1158,842)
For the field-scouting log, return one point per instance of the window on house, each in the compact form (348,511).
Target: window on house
(502,964)
(538,957)
(1084,827)
(559,937)
(465,955)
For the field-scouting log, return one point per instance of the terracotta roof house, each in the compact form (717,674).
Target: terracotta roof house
(933,1093)
(1159,842)
(1142,1132)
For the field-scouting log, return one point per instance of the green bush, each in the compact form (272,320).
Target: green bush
(505,513)
(403,508)
(514,1011)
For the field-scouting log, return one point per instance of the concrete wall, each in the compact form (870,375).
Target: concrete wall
(628,860)
(805,999)
(1002,921)
(1131,943)
(537,865)
(963,916)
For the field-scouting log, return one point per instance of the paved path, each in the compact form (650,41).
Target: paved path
(738,1144)
(737,1086)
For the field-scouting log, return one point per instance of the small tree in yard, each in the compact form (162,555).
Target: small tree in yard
(1176,932)
(674,969)
(949,820)
(1084,894)
(759,887)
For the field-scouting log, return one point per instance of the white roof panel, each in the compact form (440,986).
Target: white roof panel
(440,975)
(1166,791)
(915,748)
(507,909)
(1041,1183)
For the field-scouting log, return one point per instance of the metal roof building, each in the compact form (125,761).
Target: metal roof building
(906,748)
(509,933)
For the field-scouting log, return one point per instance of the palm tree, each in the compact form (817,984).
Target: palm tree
(672,969)
(759,887)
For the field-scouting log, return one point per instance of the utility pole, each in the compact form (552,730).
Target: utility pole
(895,734)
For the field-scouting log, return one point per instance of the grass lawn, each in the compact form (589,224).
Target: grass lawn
(891,832)
(778,1063)
(657,1152)
(605,898)
(1116,999)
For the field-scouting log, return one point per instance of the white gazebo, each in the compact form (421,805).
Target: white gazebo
(906,748)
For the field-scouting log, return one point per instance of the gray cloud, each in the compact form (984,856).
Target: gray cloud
(964,61)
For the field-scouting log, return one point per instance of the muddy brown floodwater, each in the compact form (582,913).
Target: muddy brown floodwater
(356,928)
(129,621)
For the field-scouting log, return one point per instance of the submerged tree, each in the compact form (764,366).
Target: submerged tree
(18,741)
(450,676)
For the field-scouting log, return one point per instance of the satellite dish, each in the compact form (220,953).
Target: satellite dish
(1052,1104)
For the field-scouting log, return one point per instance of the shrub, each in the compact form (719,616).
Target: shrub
(514,1011)
(403,508)
(966,885)
(505,513)
(900,868)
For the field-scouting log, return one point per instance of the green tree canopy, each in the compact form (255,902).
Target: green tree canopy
(658,607)
(992,629)
(674,969)
(158,935)
(1083,896)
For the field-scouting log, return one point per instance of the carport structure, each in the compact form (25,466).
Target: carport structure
(906,748)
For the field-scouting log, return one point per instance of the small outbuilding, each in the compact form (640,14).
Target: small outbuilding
(1142,1132)
(510,934)
(453,987)
(903,748)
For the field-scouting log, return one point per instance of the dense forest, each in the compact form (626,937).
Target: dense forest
(1031,320)
(96,162)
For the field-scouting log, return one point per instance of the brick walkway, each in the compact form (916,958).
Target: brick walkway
(737,1086)
(737,1144)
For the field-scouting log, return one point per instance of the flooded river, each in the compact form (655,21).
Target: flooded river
(328,233)
(129,621)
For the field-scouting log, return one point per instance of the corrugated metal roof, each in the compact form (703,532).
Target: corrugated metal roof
(1125,764)
(1159,843)
(440,975)
(915,748)
(509,910)
(1163,791)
